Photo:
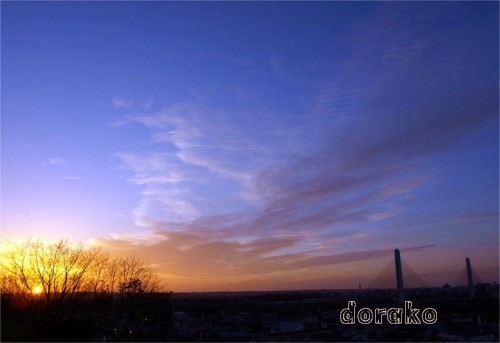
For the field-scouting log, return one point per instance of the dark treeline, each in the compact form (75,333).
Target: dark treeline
(60,292)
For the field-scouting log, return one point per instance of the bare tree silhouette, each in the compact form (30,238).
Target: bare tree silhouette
(57,283)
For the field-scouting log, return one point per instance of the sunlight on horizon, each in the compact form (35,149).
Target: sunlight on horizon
(253,145)
(37,290)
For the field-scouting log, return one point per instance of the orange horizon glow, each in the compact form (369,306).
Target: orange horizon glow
(37,290)
(187,271)
(298,163)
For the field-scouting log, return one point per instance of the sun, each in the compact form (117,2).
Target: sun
(37,290)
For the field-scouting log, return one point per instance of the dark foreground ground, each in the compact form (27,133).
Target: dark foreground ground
(254,316)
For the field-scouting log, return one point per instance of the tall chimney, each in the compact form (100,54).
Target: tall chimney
(399,277)
(470,279)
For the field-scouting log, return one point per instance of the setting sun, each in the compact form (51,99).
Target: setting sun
(37,290)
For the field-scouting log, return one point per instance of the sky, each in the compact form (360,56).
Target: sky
(256,145)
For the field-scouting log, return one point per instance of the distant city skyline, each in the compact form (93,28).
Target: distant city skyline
(254,145)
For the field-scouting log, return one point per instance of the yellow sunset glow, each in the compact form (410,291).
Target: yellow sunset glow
(37,290)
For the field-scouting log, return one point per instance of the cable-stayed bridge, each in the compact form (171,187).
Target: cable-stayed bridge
(399,275)
(387,277)
(462,278)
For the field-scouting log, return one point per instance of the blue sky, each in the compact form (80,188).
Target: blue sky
(255,145)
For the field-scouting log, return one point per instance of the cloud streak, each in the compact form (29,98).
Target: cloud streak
(245,195)
(188,256)
(119,102)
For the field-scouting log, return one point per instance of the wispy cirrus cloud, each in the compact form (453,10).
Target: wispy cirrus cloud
(168,205)
(163,195)
(203,152)
(148,169)
(476,216)
(343,169)
(147,104)
(119,102)
(313,193)
(199,262)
